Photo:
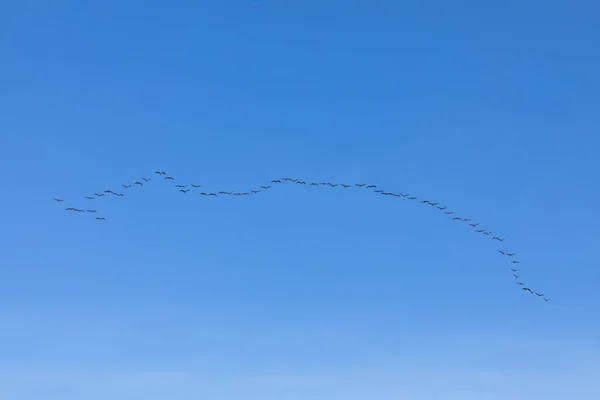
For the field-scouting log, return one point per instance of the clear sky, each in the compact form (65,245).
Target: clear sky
(299,292)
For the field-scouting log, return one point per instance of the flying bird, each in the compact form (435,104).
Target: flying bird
(100,218)
(441,208)
(147,179)
(473,225)
(58,199)
(160,173)
(184,190)
(515,262)
(545,299)
(510,254)
(91,211)
(169,178)
(89,197)
(539,294)
(514,270)
(314,184)
(99,194)
(275,181)
(520,283)
(456,218)
(70,209)
(265,187)
(360,184)
(449,212)
(527,289)
(126,186)
(502,251)
(371,186)
(344,185)
(480,230)
(138,183)
(196,186)
(498,238)
(516,276)
(255,191)
(179,186)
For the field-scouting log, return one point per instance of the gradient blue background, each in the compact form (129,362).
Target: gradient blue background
(490,108)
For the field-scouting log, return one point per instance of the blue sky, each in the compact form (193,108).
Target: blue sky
(299,292)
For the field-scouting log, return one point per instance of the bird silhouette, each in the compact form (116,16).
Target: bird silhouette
(371,186)
(138,183)
(514,270)
(196,186)
(100,218)
(275,181)
(255,191)
(510,254)
(441,208)
(184,190)
(170,178)
(89,197)
(90,211)
(147,179)
(160,173)
(126,186)
(515,262)
(449,212)
(265,187)
(456,218)
(538,294)
(527,289)
(179,186)
(314,184)
(99,194)
(520,283)
(498,238)
(345,186)
(70,209)
(360,184)
(516,276)
(545,299)
(59,200)
(480,230)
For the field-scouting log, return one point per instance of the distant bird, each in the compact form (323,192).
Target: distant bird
(412,198)
(213,194)
(378,191)
(527,289)
(449,212)
(371,186)
(545,299)
(456,218)
(147,179)
(510,254)
(498,238)
(204,193)
(539,294)
(58,199)
(196,186)
(78,210)
(502,251)
(99,194)
(92,211)
(473,225)
(487,233)
(255,191)
(169,178)
(119,194)
(89,197)
(515,262)
(184,190)
(516,276)
(108,191)
(100,218)
(179,186)
(405,195)
(520,283)
(275,181)
(433,204)
(480,230)
(160,173)
(332,184)
(70,209)
(314,184)
(441,208)
(360,184)
(265,187)
(514,270)
(301,182)
(243,194)
(344,185)
(466,219)
(425,201)
(126,186)
(138,183)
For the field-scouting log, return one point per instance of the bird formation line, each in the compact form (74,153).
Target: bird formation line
(185,189)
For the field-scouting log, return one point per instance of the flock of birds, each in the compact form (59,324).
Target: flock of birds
(186,189)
